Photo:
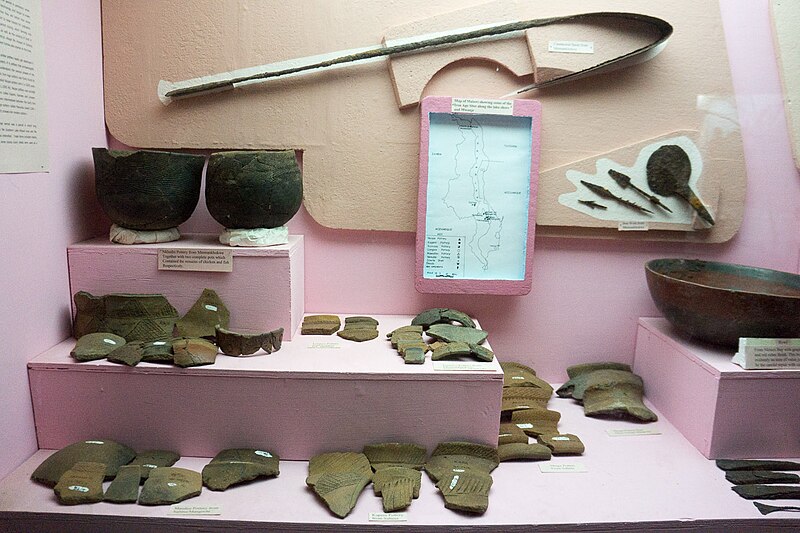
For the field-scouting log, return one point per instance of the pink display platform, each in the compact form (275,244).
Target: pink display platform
(264,292)
(650,482)
(318,393)
(724,411)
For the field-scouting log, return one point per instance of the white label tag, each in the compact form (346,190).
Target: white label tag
(388,517)
(562,468)
(459,366)
(171,484)
(487,107)
(148,465)
(195,260)
(109,341)
(633,225)
(571,47)
(78,488)
(454,482)
(560,438)
(263,453)
(159,343)
(525,426)
(211,307)
(214,510)
(325,346)
(94,442)
(517,377)
(634,432)
(768,354)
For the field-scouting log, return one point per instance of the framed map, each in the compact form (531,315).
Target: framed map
(479,164)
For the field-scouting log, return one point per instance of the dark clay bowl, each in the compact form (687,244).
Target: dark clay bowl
(720,302)
(257,189)
(145,190)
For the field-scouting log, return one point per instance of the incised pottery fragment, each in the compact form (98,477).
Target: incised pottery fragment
(578,375)
(338,478)
(528,395)
(170,484)
(401,331)
(193,352)
(616,393)
(110,453)
(125,487)
(83,483)
(391,454)
(236,344)
(151,459)
(518,451)
(510,433)
(205,315)
(135,317)
(566,444)
(359,329)
(94,346)
(537,421)
(450,349)
(237,465)
(451,333)
(414,356)
(397,486)
(253,189)
(157,352)
(320,325)
(760,477)
(128,354)
(442,315)
(466,491)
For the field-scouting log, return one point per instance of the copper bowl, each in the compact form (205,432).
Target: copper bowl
(720,302)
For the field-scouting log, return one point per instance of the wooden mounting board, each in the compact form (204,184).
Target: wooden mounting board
(360,152)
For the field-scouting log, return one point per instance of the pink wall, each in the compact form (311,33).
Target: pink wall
(43,213)
(586,296)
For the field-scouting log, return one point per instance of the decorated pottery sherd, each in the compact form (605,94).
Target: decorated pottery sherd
(579,374)
(451,333)
(338,478)
(83,483)
(239,465)
(135,317)
(146,190)
(518,451)
(151,459)
(110,453)
(205,315)
(125,487)
(170,484)
(193,352)
(566,444)
(320,325)
(129,354)
(466,491)
(157,352)
(528,394)
(253,189)
(414,356)
(460,455)
(510,433)
(235,344)
(442,315)
(94,346)
(451,349)
(616,394)
(397,486)
(390,454)
(403,329)
(535,422)
(760,477)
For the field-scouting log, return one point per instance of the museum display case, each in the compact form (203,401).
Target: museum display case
(432,283)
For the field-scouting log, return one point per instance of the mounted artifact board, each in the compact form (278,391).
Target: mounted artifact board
(356,124)
(785,22)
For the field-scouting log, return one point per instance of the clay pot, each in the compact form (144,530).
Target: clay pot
(145,190)
(253,189)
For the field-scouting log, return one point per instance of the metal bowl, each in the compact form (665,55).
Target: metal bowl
(720,302)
